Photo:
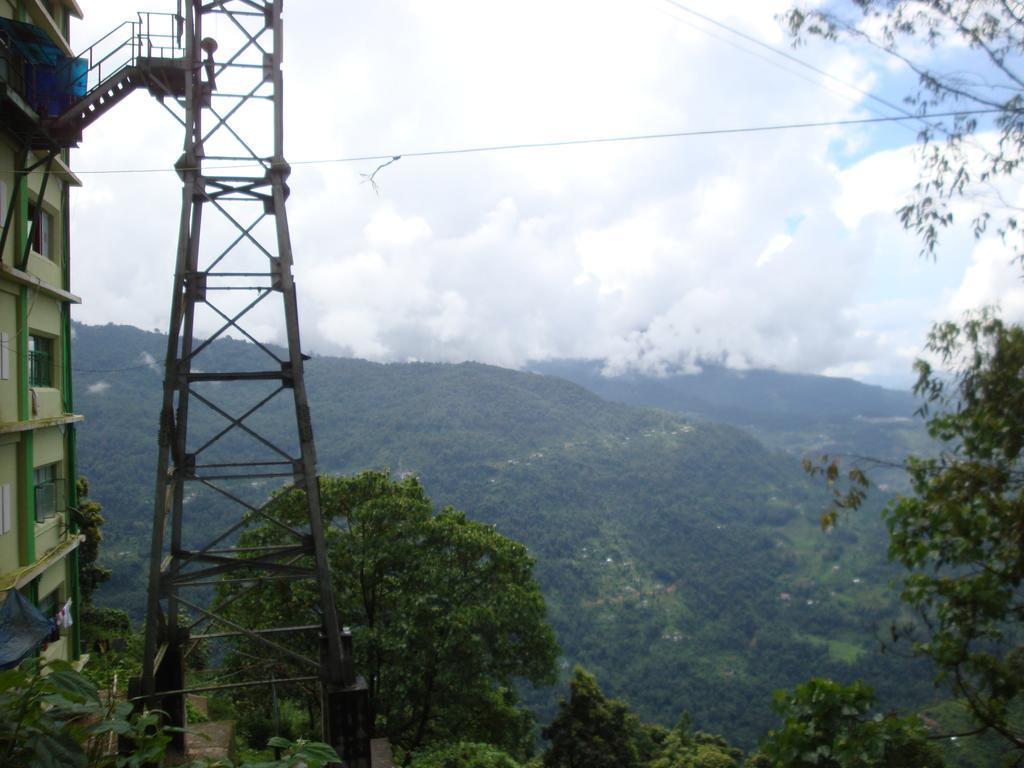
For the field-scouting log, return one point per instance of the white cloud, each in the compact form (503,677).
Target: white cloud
(388,228)
(775,246)
(149,361)
(646,254)
(98,387)
(878,184)
(628,250)
(992,279)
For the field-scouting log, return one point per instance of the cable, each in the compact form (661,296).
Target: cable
(795,59)
(813,81)
(113,370)
(571,142)
(789,57)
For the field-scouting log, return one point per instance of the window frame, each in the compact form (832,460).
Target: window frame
(40,361)
(42,237)
(46,480)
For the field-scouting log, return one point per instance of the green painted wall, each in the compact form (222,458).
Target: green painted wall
(49,447)
(45,319)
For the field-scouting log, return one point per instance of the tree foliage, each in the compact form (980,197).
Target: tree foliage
(957,163)
(961,535)
(51,715)
(465,754)
(828,725)
(445,612)
(88,516)
(591,730)
(683,749)
(594,731)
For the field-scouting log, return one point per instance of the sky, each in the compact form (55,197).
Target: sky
(776,249)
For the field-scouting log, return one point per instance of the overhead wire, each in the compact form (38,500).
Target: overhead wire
(565,142)
(788,56)
(968,138)
(114,370)
(773,62)
(903,113)
(922,118)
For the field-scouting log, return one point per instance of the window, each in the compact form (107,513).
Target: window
(47,485)
(42,236)
(40,361)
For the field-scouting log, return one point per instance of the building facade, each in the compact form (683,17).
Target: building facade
(38,535)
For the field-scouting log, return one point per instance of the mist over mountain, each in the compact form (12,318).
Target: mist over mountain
(758,397)
(801,413)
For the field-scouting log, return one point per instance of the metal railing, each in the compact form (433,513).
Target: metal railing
(52,89)
(160,35)
(153,35)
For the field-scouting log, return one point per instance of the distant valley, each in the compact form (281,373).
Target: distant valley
(681,556)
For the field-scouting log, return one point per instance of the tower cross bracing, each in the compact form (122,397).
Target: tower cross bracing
(233,278)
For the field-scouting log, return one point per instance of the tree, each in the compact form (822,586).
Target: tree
(591,730)
(961,535)
(683,749)
(955,163)
(828,725)
(445,611)
(88,516)
(466,754)
(101,626)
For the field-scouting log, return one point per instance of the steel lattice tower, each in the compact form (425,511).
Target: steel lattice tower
(234,264)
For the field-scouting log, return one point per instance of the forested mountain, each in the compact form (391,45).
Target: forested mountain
(682,561)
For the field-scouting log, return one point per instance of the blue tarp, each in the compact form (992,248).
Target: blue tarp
(52,80)
(22,629)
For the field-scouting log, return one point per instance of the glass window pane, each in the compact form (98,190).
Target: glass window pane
(40,361)
(46,492)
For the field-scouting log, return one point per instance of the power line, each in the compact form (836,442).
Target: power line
(574,142)
(790,57)
(778,65)
(113,370)
(797,60)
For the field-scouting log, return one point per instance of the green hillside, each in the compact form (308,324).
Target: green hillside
(681,561)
